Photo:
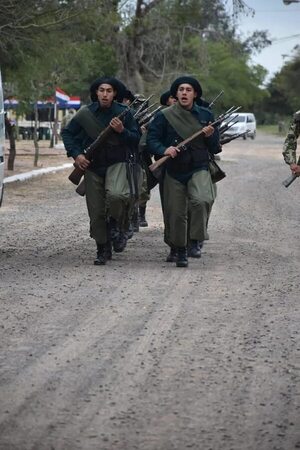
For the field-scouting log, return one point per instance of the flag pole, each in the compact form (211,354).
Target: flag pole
(55,120)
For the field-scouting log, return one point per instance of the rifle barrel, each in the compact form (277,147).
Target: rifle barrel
(215,99)
(288,181)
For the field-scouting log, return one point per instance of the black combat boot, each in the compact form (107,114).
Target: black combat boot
(129,232)
(142,218)
(135,220)
(194,250)
(113,229)
(108,250)
(172,256)
(182,260)
(120,242)
(101,255)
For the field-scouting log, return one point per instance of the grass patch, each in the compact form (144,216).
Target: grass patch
(271,129)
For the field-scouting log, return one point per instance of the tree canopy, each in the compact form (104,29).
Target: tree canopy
(284,97)
(147,43)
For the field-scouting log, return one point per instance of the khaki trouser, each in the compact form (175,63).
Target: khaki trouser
(108,196)
(96,205)
(194,199)
(144,194)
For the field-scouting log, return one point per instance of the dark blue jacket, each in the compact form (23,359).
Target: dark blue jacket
(76,139)
(162,135)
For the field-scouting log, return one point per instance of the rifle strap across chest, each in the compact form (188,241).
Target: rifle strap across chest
(185,124)
(183,121)
(89,122)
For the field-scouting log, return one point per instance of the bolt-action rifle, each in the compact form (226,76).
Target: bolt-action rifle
(91,150)
(288,181)
(215,99)
(228,124)
(146,119)
(142,106)
(139,117)
(225,140)
(183,145)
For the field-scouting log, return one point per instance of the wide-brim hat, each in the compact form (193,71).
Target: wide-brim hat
(164,97)
(185,80)
(129,95)
(117,85)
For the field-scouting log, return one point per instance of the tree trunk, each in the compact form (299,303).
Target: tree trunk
(35,136)
(12,142)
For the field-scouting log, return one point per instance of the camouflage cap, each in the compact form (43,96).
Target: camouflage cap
(297,116)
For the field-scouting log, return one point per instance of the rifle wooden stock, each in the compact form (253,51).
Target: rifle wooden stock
(154,166)
(81,188)
(76,175)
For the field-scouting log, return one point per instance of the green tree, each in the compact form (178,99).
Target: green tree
(283,97)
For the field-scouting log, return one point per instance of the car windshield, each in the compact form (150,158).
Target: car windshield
(241,119)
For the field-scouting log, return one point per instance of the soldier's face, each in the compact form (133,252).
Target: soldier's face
(105,94)
(171,100)
(186,95)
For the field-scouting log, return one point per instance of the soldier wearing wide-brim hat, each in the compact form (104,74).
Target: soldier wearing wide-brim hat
(106,181)
(166,99)
(290,145)
(187,183)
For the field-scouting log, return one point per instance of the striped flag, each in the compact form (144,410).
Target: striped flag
(61,96)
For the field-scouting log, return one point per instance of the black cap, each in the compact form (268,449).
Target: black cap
(117,85)
(186,80)
(129,95)
(164,98)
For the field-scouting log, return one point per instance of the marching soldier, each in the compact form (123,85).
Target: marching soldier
(167,99)
(290,145)
(187,183)
(108,189)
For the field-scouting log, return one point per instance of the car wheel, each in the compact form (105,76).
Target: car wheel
(253,135)
(245,136)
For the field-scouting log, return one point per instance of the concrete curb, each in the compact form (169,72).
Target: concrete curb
(35,173)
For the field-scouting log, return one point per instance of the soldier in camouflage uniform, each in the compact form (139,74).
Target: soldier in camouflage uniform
(290,145)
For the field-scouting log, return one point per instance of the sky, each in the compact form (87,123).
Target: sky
(282,21)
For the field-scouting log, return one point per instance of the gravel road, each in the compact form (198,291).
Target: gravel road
(139,354)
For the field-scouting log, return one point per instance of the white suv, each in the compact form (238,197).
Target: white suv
(245,121)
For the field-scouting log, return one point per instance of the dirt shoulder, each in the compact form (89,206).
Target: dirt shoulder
(48,157)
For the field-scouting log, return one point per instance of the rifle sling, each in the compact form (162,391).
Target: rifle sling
(93,126)
(184,123)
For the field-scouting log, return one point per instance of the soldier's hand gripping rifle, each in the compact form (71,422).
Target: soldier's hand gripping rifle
(182,145)
(288,181)
(91,150)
